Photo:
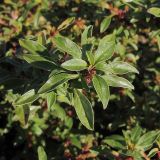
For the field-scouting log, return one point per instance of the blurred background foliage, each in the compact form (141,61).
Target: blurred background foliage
(59,131)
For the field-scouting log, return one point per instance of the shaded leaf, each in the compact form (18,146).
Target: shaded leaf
(39,62)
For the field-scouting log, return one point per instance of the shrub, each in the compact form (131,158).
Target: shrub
(79,79)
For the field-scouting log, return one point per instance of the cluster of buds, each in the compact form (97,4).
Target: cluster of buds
(89,75)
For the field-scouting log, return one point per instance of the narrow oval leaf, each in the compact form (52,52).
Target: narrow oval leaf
(103,66)
(66,45)
(86,34)
(153,152)
(102,90)
(84,110)
(74,65)
(26,98)
(106,48)
(119,67)
(113,143)
(105,24)
(39,62)
(115,81)
(154,11)
(147,140)
(55,81)
(41,153)
(31,46)
(66,23)
(51,99)
(136,133)
(22,113)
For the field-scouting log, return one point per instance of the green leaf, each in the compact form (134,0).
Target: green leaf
(152,152)
(42,39)
(39,62)
(59,112)
(119,67)
(115,81)
(113,143)
(154,11)
(55,81)
(106,48)
(102,90)
(66,45)
(105,24)
(74,65)
(103,66)
(147,140)
(84,110)
(32,46)
(26,98)
(136,133)
(90,57)
(41,153)
(22,113)
(66,23)
(86,34)
(51,99)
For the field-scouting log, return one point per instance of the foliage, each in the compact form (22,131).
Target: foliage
(79,79)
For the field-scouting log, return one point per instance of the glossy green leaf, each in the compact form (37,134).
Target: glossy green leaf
(66,23)
(84,110)
(102,90)
(26,98)
(147,140)
(55,81)
(86,34)
(105,49)
(32,46)
(154,11)
(119,67)
(41,153)
(115,81)
(74,65)
(105,24)
(51,99)
(68,46)
(39,62)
